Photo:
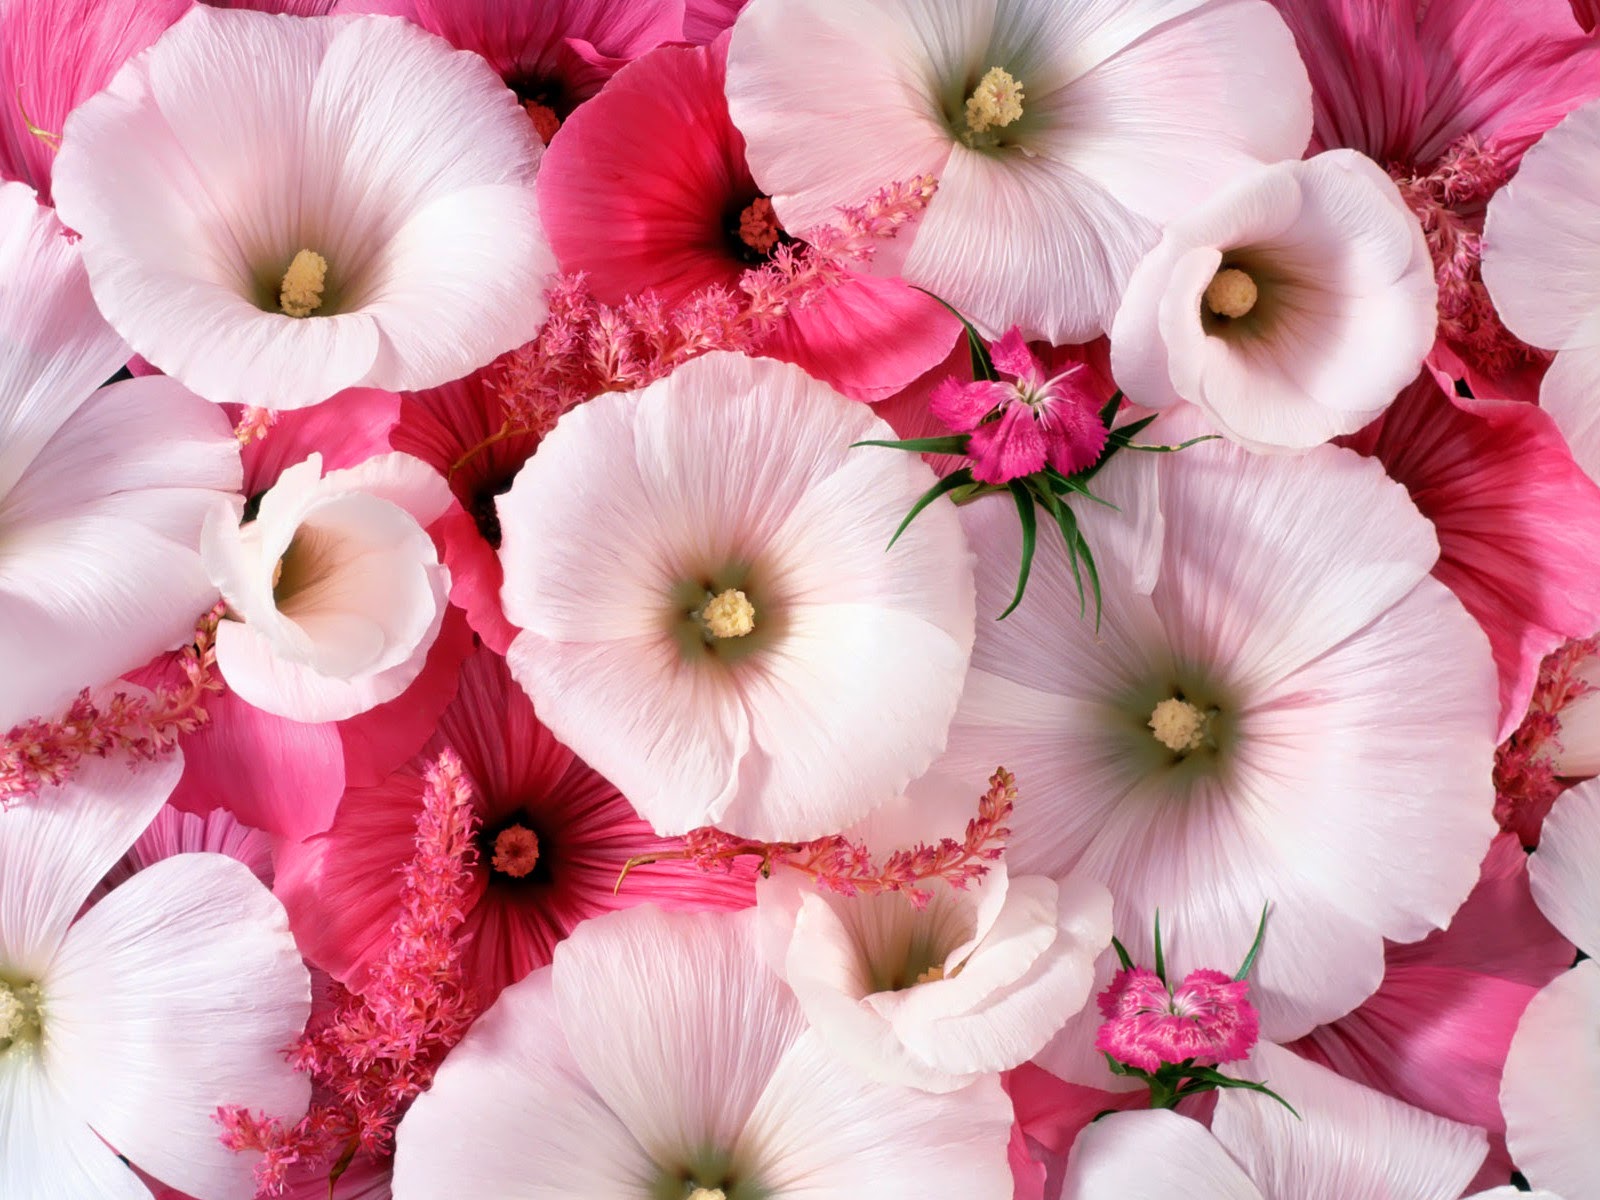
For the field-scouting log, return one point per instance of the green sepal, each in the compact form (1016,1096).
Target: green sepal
(1122,955)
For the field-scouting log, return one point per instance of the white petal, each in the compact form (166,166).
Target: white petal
(176,994)
(510,1116)
(50,1151)
(1551,1089)
(1152,1155)
(1561,871)
(1570,393)
(1347,1141)
(56,846)
(406,482)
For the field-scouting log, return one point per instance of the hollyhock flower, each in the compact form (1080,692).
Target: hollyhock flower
(703,20)
(737,624)
(1551,1091)
(1346,1142)
(1508,503)
(1436,1032)
(1062,135)
(554,839)
(1208,1017)
(1541,257)
(175,991)
(1290,308)
(275,209)
(1447,95)
(54,55)
(687,215)
(102,492)
(552,55)
(1036,419)
(173,832)
(334,589)
(1272,667)
(656,1057)
(973,982)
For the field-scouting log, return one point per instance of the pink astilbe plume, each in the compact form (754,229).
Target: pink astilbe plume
(837,864)
(1525,779)
(42,752)
(371,1053)
(587,347)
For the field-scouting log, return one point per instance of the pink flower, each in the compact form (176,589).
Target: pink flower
(647,189)
(1020,426)
(1207,1018)
(554,839)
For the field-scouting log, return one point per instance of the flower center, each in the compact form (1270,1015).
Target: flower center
(703,1193)
(995,103)
(544,118)
(728,614)
(758,225)
(1232,293)
(300,293)
(516,851)
(1179,725)
(19,1013)
(933,974)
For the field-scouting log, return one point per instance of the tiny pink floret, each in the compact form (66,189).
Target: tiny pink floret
(1208,1018)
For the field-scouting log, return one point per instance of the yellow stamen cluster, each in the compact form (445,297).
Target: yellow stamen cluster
(300,294)
(728,614)
(702,1193)
(1232,293)
(931,975)
(995,102)
(1178,725)
(19,1014)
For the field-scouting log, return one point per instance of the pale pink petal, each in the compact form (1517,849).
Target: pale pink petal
(1153,1155)
(175,832)
(1347,1141)
(176,994)
(51,1153)
(1551,1091)
(58,845)
(510,1115)
(1568,395)
(1561,872)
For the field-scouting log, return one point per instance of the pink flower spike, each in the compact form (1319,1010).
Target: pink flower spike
(1207,1018)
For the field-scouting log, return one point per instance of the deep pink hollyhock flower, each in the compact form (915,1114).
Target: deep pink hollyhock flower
(1587,12)
(1037,418)
(647,189)
(554,837)
(703,20)
(1208,1017)
(1510,505)
(54,54)
(1447,96)
(554,54)
(1437,1031)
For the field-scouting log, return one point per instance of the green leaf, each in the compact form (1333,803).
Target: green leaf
(1108,413)
(1122,955)
(1030,535)
(1216,1079)
(1094,579)
(1067,520)
(1161,963)
(1153,449)
(948,484)
(1255,947)
(1123,434)
(954,444)
(982,364)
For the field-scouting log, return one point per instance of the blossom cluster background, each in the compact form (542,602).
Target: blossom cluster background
(686,600)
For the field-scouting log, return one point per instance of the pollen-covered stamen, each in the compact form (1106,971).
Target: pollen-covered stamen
(1232,293)
(705,1193)
(1179,725)
(516,851)
(758,226)
(931,975)
(728,614)
(545,121)
(300,294)
(995,103)
(19,1013)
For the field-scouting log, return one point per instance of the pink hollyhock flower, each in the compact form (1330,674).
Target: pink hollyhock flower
(648,190)
(335,593)
(553,55)
(554,840)
(975,981)
(657,1057)
(102,490)
(1289,309)
(1541,254)
(1347,1142)
(54,55)
(173,832)
(276,209)
(1436,1032)
(717,632)
(1508,504)
(1063,135)
(704,20)
(1447,95)
(1273,666)
(178,989)
(1208,1018)
(1035,419)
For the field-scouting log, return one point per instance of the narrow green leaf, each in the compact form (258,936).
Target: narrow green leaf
(954,444)
(1067,520)
(1094,579)
(1123,433)
(1161,962)
(982,364)
(1030,534)
(1108,413)
(1255,946)
(1154,449)
(1122,955)
(948,484)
